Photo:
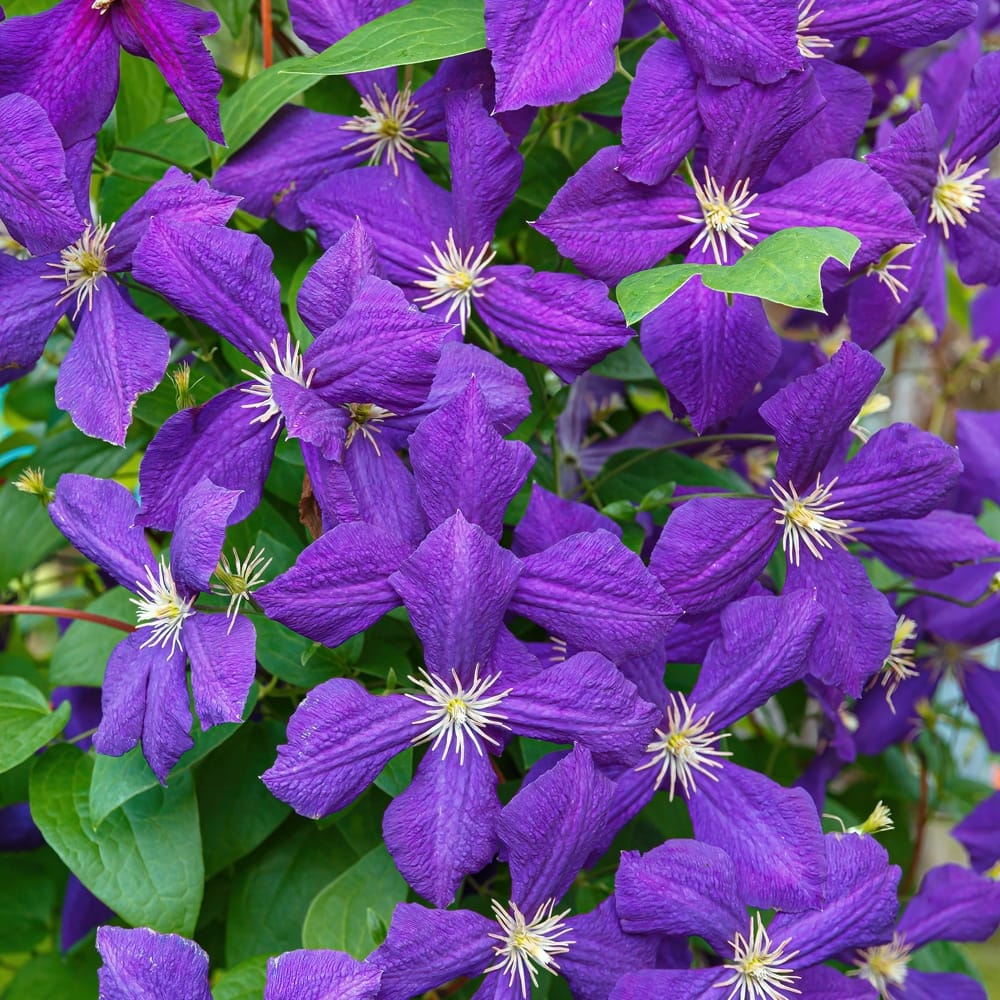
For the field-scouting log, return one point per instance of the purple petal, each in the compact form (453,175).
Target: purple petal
(548,519)
(222,665)
(78,89)
(952,904)
(572,702)
(123,696)
(339,739)
(426,948)
(82,911)
(36,201)
(730,41)
(199,533)
(553,51)
(97,516)
(219,435)
(338,586)
(977,435)
(977,130)
(564,321)
(457,587)
(551,826)
(976,245)
(443,827)
(712,550)
(336,278)
(117,354)
(660,120)
(143,965)
(823,983)
(310,418)
(653,984)
(979,833)
(611,227)
(312,975)
(909,161)
(219,276)
(462,463)
(777,846)
(902,23)
(810,416)
(596,594)
(934,985)
(166,726)
(171,32)
(982,690)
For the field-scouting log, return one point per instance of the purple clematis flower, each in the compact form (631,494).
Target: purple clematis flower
(549,829)
(79,91)
(979,834)
(478,683)
(145,695)
(437,244)
(117,353)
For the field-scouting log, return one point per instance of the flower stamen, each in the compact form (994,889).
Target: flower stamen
(387,128)
(882,270)
(364,417)
(955,196)
(160,608)
(456,276)
(757,966)
(239,581)
(83,264)
(528,945)
(808,43)
(290,364)
(884,966)
(806,522)
(723,217)
(898,665)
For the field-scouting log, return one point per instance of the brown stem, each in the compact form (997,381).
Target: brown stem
(86,616)
(267,29)
(909,877)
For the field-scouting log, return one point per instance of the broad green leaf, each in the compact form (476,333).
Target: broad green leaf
(117,780)
(140,97)
(420,31)
(68,977)
(784,268)
(237,811)
(26,720)
(627,364)
(275,885)
(30,884)
(233,13)
(634,474)
(82,653)
(145,859)
(245,981)
(338,916)
(395,777)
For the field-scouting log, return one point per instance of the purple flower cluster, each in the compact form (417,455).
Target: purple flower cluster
(413,364)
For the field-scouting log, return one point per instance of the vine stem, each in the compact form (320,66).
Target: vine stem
(267,32)
(923,814)
(85,616)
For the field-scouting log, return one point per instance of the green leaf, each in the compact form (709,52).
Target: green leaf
(140,97)
(68,977)
(338,916)
(784,268)
(30,884)
(245,981)
(420,31)
(635,473)
(233,14)
(26,720)
(82,653)
(145,859)
(627,364)
(395,777)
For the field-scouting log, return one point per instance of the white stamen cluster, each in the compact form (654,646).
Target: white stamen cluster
(364,417)
(956,195)
(885,966)
(686,746)
(899,665)
(160,608)
(455,275)
(878,821)
(882,269)
(83,264)
(387,128)
(240,580)
(757,965)
(291,365)
(458,715)
(528,945)
(101,5)
(724,217)
(809,43)
(806,521)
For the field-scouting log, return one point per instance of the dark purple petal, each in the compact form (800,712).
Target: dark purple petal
(123,696)
(909,160)
(979,833)
(461,463)
(552,51)
(457,587)
(222,665)
(976,245)
(36,201)
(952,904)
(443,827)
(548,519)
(982,690)
(426,948)
(934,985)
(199,533)
(219,435)
(611,227)
(653,984)
(339,739)
(594,593)
(73,75)
(709,353)
(82,911)
(823,983)
(977,435)
(903,23)
(171,32)
(977,130)
(764,647)
(117,354)
(551,826)
(860,905)
(338,586)
(219,276)
(712,550)
(660,120)
(735,40)
(564,321)
(777,844)
(810,416)
(901,472)
(573,701)
(97,516)
(318,975)
(335,279)
(140,964)
(310,418)
(166,726)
